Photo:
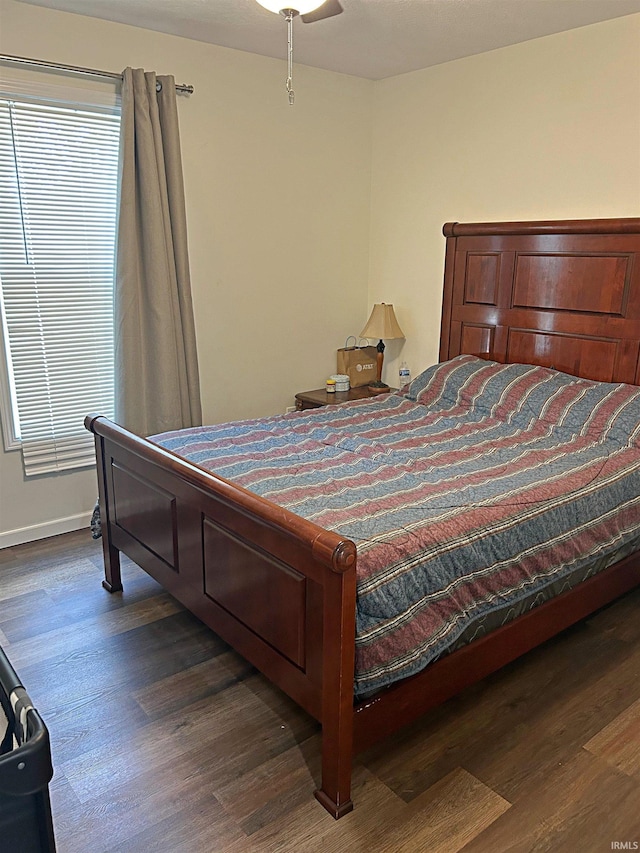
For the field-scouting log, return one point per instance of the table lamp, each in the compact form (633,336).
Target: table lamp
(381,324)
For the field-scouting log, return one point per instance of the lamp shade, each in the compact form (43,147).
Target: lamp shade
(299,6)
(382,323)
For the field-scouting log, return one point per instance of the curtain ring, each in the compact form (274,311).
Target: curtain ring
(158,86)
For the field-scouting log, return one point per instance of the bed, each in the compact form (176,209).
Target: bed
(557,299)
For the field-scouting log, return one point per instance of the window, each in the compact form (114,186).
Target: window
(58,189)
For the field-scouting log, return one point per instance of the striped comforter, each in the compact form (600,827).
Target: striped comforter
(476,487)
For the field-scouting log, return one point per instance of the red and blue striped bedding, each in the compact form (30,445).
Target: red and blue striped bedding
(475,489)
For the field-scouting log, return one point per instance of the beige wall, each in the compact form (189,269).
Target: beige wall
(278,218)
(548,129)
(280,200)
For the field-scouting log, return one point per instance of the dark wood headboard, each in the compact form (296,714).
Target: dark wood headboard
(562,294)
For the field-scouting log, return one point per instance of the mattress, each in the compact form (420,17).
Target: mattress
(475,493)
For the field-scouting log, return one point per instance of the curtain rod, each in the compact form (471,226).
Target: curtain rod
(74,69)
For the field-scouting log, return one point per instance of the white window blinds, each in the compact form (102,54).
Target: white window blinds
(58,189)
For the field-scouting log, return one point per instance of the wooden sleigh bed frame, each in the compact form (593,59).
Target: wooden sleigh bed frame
(282,591)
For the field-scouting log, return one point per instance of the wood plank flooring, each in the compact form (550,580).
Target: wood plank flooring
(164,740)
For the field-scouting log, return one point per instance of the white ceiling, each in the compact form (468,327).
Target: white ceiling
(372,38)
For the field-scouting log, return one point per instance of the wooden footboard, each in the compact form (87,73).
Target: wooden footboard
(280,590)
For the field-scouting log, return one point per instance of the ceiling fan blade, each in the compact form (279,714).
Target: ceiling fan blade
(327,10)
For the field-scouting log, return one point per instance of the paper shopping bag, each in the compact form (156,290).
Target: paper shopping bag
(358,363)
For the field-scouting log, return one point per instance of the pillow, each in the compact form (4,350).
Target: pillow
(527,394)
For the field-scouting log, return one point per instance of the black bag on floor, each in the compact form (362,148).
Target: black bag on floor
(25,770)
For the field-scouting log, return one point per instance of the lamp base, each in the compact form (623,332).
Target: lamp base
(378,388)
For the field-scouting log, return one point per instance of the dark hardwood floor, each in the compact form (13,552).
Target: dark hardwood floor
(163,739)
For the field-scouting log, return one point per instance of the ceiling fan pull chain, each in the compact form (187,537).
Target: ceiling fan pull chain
(289,16)
(306,8)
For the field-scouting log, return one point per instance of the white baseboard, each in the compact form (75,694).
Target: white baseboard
(46,529)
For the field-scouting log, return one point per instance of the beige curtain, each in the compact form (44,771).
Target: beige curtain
(156,368)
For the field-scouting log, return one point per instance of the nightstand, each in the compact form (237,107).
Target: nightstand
(318,398)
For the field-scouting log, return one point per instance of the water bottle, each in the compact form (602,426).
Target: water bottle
(405,374)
